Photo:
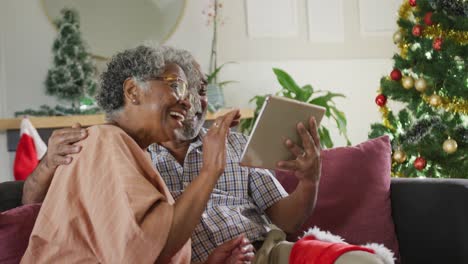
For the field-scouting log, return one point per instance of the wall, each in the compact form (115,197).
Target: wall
(352,68)
(26,37)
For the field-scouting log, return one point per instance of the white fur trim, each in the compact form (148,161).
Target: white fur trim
(325,236)
(385,254)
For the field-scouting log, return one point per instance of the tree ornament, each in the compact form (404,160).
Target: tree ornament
(435,100)
(450,146)
(397,37)
(417,30)
(380,100)
(399,156)
(428,19)
(419,163)
(437,44)
(407,82)
(395,75)
(420,85)
(412,3)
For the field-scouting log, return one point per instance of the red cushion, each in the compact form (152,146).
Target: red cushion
(354,194)
(15,228)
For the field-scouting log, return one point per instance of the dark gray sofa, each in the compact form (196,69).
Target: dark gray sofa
(430,216)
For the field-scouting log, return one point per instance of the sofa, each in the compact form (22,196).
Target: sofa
(422,220)
(430,216)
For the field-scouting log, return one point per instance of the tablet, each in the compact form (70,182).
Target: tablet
(276,121)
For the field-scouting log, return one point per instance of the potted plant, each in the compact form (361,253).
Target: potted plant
(215,88)
(306,93)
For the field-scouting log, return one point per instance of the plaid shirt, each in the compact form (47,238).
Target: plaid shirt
(238,201)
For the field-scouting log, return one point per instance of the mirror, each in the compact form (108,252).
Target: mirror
(109,26)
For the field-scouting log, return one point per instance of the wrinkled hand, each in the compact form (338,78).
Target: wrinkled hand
(235,251)
(214,142)
(61,144)
(307,164)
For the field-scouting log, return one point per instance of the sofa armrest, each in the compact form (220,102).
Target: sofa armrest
(431,219)
(11,194)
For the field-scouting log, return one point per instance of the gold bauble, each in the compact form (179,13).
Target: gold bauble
(450,146)
(420,85)
(435,100)
(407,82)
(399,156)
(397,37)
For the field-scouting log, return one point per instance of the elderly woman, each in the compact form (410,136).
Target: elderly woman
(110,205)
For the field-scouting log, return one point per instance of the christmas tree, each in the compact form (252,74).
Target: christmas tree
(72,77)
(430,134)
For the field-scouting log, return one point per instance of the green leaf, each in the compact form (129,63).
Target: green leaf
(325,139)
(212,76)
(307,90)
(222,84)
(287,82)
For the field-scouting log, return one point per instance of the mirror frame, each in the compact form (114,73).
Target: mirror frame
(104,58)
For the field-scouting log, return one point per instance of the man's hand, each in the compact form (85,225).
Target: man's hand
(235,251)
(307,165)
(290,212)
(61,144)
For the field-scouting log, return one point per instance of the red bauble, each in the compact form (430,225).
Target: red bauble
(412,2)
(428,19)
(419,163)
(395,75)
(437,44)
(417,30)
(381,100)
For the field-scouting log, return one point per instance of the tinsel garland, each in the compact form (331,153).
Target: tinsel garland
(384,111)
(455,104)
(434,31)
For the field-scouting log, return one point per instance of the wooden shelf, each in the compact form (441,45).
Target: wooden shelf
(86,120)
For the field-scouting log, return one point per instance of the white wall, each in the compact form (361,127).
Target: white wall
(26,36)
(353,68)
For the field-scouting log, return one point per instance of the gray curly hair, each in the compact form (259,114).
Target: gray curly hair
(141,63)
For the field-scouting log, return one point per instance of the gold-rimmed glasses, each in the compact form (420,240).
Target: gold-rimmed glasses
(179,86)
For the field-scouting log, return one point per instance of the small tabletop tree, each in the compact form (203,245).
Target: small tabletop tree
(72,76)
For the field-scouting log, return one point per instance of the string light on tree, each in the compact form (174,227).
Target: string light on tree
(450,146)
(420,163)
(420,85)
(407,82)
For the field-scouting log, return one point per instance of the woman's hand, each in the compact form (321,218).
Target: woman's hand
(307,164)
(235,251)
(214,142)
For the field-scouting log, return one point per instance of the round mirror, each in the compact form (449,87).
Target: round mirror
(109,26)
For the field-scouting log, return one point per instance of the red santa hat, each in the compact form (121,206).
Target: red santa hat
(322,247)
(29,151)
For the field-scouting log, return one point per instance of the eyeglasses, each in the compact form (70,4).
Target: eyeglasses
(178,85)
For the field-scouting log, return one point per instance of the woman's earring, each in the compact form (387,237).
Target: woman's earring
(134,101)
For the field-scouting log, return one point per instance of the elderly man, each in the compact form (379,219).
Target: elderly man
(243,196)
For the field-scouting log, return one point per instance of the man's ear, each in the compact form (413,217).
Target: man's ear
(131,91)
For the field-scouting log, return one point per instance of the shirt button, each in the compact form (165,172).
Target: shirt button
(185,184)
(204,215)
